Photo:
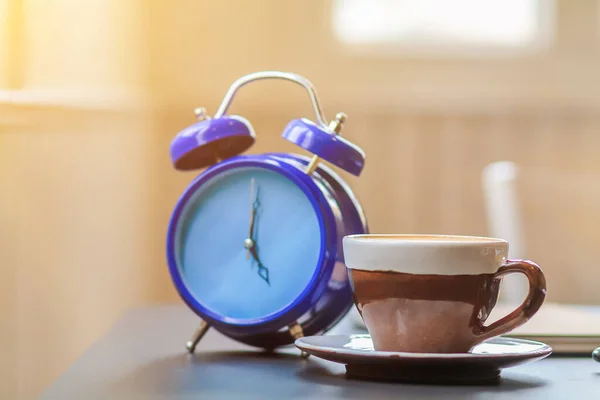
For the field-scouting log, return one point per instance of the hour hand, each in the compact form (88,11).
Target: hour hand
(263,271)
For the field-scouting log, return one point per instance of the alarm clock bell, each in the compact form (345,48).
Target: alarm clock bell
(283,277)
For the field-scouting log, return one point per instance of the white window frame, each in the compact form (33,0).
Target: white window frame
(392,47)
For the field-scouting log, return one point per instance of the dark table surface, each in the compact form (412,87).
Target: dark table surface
(144,357)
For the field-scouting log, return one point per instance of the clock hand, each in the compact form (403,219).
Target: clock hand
(248,243)
(263,271)
(255,206)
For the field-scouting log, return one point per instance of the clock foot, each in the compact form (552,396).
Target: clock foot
(193,342)
(296,332)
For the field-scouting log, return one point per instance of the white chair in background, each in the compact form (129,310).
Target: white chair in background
(504,220)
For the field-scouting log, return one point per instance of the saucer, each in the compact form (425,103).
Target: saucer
(481,365)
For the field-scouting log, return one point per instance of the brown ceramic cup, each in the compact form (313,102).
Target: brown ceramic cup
(433,293)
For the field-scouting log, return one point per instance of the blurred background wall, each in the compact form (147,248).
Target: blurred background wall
(92,92)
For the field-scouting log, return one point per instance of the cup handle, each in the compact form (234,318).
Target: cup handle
(534,300)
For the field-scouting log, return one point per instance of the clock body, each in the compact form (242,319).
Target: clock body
(295,272)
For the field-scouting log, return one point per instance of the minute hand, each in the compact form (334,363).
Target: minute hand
(254,207)
(253,210)
(263,271)
(252,219)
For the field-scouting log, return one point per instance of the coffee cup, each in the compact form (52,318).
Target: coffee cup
(434,293)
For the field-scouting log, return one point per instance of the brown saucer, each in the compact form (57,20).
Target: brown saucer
(481,365)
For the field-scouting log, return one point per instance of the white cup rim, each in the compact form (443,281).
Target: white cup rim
(425,239)
(424,253)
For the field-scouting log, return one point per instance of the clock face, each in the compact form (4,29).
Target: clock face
(247,243)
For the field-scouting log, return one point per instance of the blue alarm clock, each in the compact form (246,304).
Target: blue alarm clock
(254,242)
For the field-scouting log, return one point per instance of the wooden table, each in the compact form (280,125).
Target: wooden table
(144,357)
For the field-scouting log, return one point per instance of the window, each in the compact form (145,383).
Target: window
(443,25)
